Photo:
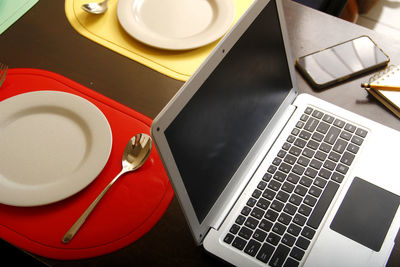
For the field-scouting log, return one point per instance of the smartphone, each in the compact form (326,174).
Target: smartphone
(341,62)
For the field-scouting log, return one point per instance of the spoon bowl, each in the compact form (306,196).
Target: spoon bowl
(96,8)
(135,155)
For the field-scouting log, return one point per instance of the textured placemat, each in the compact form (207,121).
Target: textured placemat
(106,30)
(130,208)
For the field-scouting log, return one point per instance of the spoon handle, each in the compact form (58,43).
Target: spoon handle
(75,227)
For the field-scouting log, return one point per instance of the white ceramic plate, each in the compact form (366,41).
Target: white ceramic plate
(176,24)
(52,145)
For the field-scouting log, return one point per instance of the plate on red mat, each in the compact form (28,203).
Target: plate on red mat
(53,144)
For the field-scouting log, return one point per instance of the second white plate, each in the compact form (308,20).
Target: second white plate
(52,144)
(176,24)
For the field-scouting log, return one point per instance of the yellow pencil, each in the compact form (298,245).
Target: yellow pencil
(380,87)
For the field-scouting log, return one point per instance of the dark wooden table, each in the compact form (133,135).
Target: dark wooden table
(44,39)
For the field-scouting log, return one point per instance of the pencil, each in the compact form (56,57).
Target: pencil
(380,87)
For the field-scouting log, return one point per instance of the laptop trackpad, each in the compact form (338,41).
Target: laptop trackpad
(366,213)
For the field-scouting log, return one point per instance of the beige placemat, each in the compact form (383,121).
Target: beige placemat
(106,30)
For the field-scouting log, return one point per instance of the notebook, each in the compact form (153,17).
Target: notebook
(267,176)
(389,77)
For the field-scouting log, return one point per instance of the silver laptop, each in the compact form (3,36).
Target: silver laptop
(266,176)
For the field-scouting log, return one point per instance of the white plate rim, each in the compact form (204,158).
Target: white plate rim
(26,195)
(225,18)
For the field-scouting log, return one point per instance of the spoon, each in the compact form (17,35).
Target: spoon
(135,154)
(96,8)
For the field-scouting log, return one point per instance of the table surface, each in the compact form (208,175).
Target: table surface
(44,39)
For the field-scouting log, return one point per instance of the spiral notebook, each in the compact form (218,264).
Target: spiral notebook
(389,77)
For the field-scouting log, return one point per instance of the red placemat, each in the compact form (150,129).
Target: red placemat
(130,208)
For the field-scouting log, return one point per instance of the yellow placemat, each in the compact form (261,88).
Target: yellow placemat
(106,30)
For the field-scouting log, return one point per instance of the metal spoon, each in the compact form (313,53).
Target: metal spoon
(96,8)
(135,154)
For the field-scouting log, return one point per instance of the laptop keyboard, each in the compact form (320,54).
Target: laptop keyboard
(280,219)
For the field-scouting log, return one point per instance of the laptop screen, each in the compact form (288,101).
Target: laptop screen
(216,129)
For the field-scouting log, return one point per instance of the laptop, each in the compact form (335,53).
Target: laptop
(268,176)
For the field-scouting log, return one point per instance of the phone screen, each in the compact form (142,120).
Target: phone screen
(342,61)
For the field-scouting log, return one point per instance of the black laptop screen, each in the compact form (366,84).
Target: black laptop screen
(216,129)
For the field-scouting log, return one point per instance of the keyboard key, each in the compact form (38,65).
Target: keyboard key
(267,177)
(339,123)
(303,161)
(282,196)
(357,140)
(269,194)
(245,232)
(293,178)
(353,148)
(257,213)
(305,210)
(312,144)
(308,153)
(295,199)
(262,185)
(303,243)
(240,219)
(277,205)
(332,135)
(308,232)
(361,132)
(265,252)
(308,110)
(274,185)
(297,169)
(239,243)
(229,238)
(320,182)
(297,253)
(252,247)
(294,229)
(345,135)
(328,118)
(259,235)
(271,215)
(288,240)
(295,151)
(322,205)
(287,187)
(310,200)
(285,167)
(280,176)
(350,127)
(325,173)
(342,168)
(311,124)
(299,219)
(285,218)
(317,114)
(323,127)
(273,238)
(330,165)
(290,262)
(263,203)
(265,225)
(279,256)
(234,229)
(340,146)
(246,211)
(347,158)
(279,228)
(290,209)
(337,177)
